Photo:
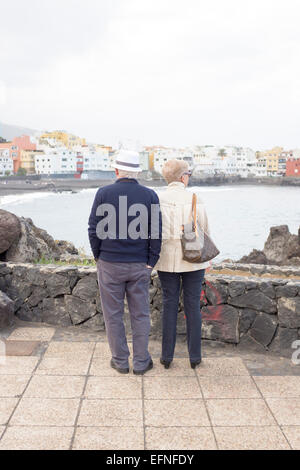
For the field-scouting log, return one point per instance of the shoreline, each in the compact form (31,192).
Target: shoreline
(9,187)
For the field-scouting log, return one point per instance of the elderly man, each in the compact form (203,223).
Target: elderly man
(125,237)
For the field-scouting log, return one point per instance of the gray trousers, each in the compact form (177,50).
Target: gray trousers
(133,279)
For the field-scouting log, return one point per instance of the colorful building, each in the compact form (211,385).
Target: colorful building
(6,163)
(23,142)
(293,167)
(272,160)
(27,160)
(64,138)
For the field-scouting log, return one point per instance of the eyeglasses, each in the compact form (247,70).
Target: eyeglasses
(188,173)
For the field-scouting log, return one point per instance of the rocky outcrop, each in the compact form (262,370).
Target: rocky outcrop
(281,249)
(21,241)
(10,230)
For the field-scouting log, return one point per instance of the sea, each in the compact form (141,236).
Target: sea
(239,217)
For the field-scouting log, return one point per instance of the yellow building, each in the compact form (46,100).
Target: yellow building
(272,157)
(27,160)
(66,139)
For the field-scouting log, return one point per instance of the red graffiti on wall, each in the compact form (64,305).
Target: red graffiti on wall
(216,313)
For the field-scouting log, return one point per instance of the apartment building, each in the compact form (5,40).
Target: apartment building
(293,167)
(27,160)
(63,138)
(162,155)
(24,142)
(6,162)
(58,160)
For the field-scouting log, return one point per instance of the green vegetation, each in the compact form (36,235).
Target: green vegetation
(222,153)
(21,172)
(79,262)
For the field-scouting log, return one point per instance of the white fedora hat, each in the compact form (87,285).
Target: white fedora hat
(127,160)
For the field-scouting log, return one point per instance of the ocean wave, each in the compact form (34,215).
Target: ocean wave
(205,189)
(24,197)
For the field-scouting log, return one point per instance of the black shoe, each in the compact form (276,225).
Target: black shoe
(165,363)
(142,372)
(122,371)
(195,364)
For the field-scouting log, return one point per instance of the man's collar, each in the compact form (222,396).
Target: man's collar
(126,180)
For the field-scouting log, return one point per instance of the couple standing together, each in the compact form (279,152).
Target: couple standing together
(131,231)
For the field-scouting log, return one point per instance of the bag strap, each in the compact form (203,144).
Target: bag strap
(194,214)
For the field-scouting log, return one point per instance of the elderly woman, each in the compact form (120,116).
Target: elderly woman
(176,208)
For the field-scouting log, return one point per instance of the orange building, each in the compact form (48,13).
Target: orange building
(15,146)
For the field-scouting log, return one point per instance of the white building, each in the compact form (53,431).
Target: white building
(95,158)
(6,163)
(55,160)
(162,155)
(226,160)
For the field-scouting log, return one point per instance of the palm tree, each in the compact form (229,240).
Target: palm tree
(222,153)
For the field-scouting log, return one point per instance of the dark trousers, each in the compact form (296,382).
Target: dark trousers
(191,286)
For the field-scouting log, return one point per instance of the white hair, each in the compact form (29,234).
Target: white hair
(128,174)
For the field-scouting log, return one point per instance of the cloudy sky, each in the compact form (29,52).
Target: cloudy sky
(172,72)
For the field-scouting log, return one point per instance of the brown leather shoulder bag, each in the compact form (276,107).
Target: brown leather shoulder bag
(197,246)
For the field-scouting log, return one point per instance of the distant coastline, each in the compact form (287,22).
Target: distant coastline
(13,186)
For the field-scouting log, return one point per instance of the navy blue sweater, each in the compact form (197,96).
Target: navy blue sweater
(117,245)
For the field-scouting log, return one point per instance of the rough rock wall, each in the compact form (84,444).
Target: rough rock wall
(251,312)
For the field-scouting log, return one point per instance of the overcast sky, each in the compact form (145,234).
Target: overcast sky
(172,72)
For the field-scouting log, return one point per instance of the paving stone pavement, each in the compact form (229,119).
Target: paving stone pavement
(58,391)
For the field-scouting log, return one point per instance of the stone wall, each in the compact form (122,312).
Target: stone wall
(249,311)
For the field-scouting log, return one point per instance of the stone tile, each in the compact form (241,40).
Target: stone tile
(75,333)
(267,365)
(1,430)
(18,365)
(36,438)
(109,438)
(279,386)
(239,412)
(175,413)
(251,438)
(45,412)
(63,366)
(292,434)
(32,334)
(69,349)
(286,410)
(53,386)
(179,367)
(120,413)
(13,385)
(20,348)
(229,366)
(7,406)
(164,388)
(228,387)
(102,350)
(114,387)
(101,367)
(174,438)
